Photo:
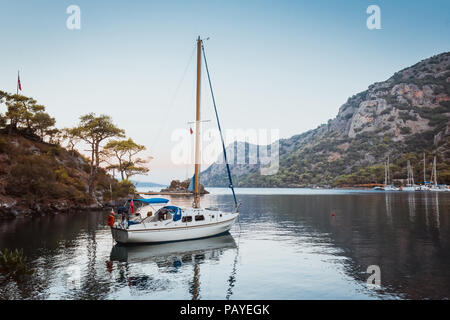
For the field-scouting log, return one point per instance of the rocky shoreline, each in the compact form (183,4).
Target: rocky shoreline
(11,208)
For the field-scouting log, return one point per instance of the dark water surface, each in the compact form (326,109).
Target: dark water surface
(287,245)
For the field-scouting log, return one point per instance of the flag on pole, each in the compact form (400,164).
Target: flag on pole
(192,131)
(19,86)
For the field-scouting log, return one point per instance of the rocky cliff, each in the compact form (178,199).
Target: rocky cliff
(402,117)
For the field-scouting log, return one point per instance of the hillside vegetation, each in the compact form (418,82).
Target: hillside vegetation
(39,175)
(402,117)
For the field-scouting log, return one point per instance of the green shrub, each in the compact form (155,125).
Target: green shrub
(62,175)
(438,120)
(405,130)
(13,264)
(405,116)
(386,111)
(54,151)
(31,174)
(445,106)
(4,145)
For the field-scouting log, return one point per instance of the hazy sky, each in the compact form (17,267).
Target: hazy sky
(275,64)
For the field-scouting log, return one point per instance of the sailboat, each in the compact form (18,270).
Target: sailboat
(410,186)
(435,186)
(426,184)
(173,223)
(388,187)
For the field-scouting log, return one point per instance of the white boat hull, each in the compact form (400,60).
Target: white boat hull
(175,233)
(391,188)
(414,188)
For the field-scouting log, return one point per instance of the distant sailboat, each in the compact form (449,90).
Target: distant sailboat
(435,186)
(425,186)
(172,223)
(387,186)
(410,186)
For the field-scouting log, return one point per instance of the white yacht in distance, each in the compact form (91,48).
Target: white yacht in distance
(432,185)
(173,223)
(388,187)
(410,186)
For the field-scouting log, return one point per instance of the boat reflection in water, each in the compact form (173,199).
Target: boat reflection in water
(181,251)
(172,257)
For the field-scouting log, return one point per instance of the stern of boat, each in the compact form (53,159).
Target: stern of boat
(119,235)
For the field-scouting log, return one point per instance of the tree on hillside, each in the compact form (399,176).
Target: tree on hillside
(123,153)
(134,167)
(54,135)
(94,130)
(69,135)
(42,123)
(3,96)
(24,113)
(17,110)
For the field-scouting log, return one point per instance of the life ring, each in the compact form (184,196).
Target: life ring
(111,220)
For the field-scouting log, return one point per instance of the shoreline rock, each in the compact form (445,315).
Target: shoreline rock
(11,208)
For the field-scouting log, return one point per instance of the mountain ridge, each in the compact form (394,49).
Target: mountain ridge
(401,117)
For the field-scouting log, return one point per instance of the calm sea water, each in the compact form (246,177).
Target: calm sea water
(287,245)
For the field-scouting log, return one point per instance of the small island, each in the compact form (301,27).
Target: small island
(177,186)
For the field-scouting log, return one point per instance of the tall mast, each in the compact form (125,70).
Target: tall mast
(196,203)
(389,167)
(434,171)
(408,170)
(424,177)
(388,177)
(385,172)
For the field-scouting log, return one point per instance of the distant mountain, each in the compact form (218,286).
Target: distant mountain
(141,184)
(402,117)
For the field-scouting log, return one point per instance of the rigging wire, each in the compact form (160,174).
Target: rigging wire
(220,130)
(232,278)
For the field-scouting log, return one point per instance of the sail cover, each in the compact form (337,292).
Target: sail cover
(191,185)
(152,200)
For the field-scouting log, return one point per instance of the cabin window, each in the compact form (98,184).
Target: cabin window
(221,215)
(186,219)
(212,217)
(199,217)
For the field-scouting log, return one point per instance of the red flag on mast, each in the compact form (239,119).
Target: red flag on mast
(18,82)
(192,131)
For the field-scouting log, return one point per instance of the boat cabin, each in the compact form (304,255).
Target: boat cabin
(165,213)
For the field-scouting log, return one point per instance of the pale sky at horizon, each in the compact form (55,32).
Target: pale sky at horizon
(285,65)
